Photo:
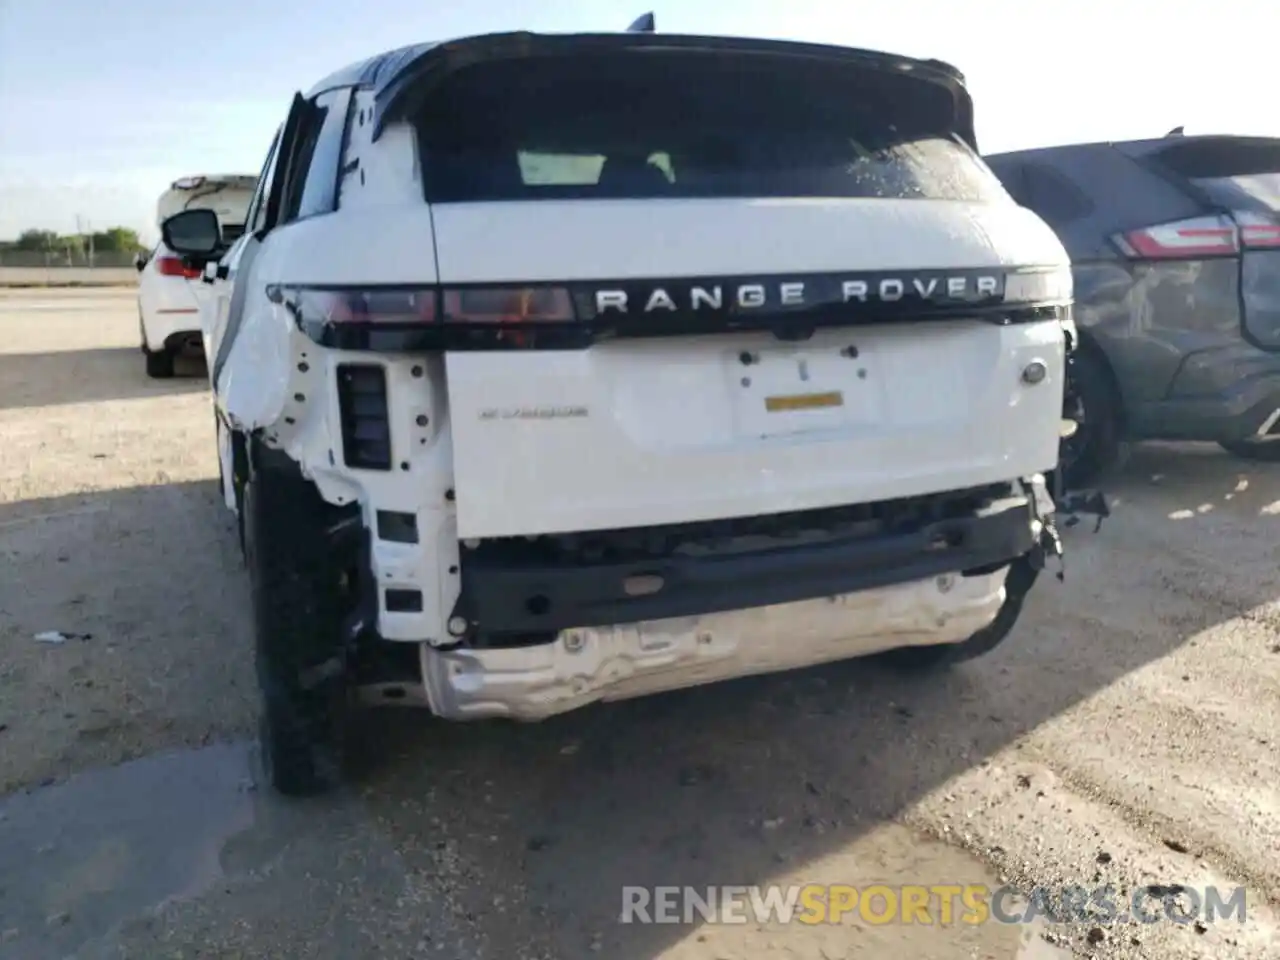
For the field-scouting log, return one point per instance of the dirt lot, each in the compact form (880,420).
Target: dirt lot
(1127,734)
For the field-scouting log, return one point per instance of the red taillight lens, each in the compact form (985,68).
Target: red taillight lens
(352,306)
(1183,240)
(481,305)
(1200,237)
(508,305)
(1257,234)
(174,267)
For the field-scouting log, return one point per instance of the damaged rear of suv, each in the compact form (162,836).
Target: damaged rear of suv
(553,369)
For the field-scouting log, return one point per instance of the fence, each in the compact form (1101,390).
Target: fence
(63,259)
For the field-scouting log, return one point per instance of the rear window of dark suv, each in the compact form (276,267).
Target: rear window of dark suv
(1238,173)
(675,125)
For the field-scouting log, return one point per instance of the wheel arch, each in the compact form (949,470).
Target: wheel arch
(1092,347)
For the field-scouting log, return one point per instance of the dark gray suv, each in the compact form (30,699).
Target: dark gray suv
(1175,244)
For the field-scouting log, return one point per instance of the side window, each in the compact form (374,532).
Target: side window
(312,187)
(256,216)
(1055,198)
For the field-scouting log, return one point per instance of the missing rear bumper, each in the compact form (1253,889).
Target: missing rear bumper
(620,662)
(511,590)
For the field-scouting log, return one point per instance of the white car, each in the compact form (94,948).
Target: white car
(168,288)
(562,368)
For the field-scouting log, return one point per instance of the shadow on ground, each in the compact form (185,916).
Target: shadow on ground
(88,376)
(529,833)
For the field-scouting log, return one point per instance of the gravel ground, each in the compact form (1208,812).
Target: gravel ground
(1127,733)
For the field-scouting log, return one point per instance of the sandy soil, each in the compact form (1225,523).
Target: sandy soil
(1126,733)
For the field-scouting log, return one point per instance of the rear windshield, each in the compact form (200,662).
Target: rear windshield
(656,125)
(1240,174)
(1244,191)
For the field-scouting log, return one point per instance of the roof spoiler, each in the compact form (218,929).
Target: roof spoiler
(400,88)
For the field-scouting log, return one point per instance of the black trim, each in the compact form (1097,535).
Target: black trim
(823,304)
(415,338)
(318,164)
(286,151)
(408,76)
(505,594)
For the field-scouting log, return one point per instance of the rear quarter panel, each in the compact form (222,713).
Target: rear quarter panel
(1152,320)
(1147,319)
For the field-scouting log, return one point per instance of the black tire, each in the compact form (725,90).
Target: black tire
(297,623)
(1092,400)
(159,364)
(1267,451)
(923,659)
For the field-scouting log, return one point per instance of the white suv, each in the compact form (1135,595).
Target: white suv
(168,298)
(553,369)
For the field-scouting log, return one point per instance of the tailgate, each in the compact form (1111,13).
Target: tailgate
(664,429)
(684,207)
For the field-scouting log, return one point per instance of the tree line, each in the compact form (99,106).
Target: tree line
(110,240)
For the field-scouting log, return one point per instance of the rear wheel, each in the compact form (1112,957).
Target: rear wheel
(297,623)
(1263,451)
(159,364)
(1092,403)
(942,655)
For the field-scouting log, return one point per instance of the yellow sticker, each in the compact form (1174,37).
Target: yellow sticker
(804,401)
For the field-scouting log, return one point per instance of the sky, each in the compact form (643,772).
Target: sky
(103,103)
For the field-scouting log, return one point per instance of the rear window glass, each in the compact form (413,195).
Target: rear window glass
(657,125)
(1241,174)
(1255,188)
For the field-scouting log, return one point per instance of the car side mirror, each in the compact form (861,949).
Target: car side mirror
(192,233)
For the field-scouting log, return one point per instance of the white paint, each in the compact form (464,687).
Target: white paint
(579,240)
(674,436)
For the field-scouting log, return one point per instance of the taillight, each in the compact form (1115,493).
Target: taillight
(508,305)
(433,318)
(174,267)
(359,306)
(422,305)
(1192,239)
(1256,232)
(1200,237)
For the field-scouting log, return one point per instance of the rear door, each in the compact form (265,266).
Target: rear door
(1240,176)
(221,314)
(667,199)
